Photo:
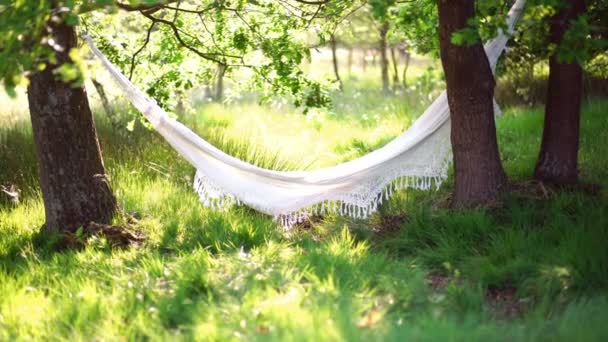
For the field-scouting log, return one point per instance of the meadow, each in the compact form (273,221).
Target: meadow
(533,268)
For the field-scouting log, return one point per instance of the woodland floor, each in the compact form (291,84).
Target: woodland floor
(535,268)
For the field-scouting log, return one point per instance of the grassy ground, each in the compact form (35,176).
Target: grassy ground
(531,270)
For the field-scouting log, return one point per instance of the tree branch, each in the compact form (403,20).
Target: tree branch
(313,2)
(146,8)
(176,33)
(140,50)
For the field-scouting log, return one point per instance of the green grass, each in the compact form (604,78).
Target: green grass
(235,275)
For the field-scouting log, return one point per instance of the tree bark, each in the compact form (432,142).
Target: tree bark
(334,57)
(395,69)
(558,158)
(383,57)
(75,188)
(478,172)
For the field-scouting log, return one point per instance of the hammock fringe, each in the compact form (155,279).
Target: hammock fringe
(215,198)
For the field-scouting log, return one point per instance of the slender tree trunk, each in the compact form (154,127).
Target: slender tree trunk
(334,57)
(558,158)
(478,172)
(383,58)
(405,67)
(374,58)
(395,69)
(180,108)
(350,60)
(364,60)
(107,107)
(74,185)
(219,85)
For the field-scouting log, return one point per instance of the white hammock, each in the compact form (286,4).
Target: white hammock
(418,158)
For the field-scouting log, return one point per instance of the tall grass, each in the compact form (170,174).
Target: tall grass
(531,270)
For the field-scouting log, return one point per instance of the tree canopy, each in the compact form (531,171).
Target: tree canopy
(184,42)
(265,37)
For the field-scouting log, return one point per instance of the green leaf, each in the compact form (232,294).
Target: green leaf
(79,232)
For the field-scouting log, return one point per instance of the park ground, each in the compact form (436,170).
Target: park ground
(534,267)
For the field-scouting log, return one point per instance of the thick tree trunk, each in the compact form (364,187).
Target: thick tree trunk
(384,58)
(74,185)
(219,84)
(478,173)
(395,69)
(558,158)
(334,57)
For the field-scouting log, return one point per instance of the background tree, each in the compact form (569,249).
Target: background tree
(553,31)
(407,56)
(382,47)
(219,83)
(395,63)
(369,27)
(362,29)
(381,12)
(333,43)
(574,40)
(558,157)
(416,30)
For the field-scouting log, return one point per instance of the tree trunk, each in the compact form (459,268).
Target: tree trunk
(350,60)
(383,58)
(75,188)
(334,58)
(107,107)
(558,158)
(180,108)
(478,173)
(405,67)
(395,69)
(219,85)
(374,58)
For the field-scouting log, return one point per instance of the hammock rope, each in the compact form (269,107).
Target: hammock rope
(419,158)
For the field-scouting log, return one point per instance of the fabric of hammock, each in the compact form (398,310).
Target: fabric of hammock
(418,158)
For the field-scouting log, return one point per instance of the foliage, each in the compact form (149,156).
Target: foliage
(584,43)
(411,25)
(598,67)
(427,85)
(265,37)
(586,37)
(20,52)
(359,29)
(417,21)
